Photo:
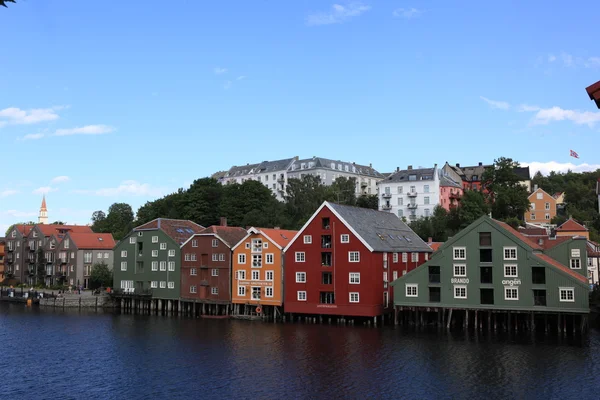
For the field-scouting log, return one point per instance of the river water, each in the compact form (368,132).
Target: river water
(51,354)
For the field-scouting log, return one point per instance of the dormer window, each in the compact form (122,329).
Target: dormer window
(474,178)
(412,177)
(257,245)
(34,234)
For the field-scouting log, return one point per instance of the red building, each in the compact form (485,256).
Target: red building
(206,267)
(342,260)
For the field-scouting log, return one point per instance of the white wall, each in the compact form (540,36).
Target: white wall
(433,195)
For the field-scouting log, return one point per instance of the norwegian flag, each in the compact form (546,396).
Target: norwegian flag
(573,154)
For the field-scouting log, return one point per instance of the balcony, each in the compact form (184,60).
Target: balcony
(411,206)
(386,207)
(326,241)
(411,194)
(412,217)
(326,259)
(281,178)
(387,195)
(454,196)
(363,184)
(10,249)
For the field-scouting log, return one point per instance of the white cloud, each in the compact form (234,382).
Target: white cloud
(60,179)
(239,78)
(17,116)
(130,187)
(227,85)
(407,12)
(85,130)
(546,167)
(527,108)
(502,105)
(8,192)
(44,190)
(219,71)
(18,214)
(551,58)
(33,136)
(544,116)
(571,61)
(338,14)
(567,59)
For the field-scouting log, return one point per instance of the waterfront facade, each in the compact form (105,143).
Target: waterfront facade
(341,262)
(206,264)
(490,266)
(542,208)
(148,259)
(258,264)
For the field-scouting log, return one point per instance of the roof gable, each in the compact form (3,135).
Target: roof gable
(180,230)
(279,237)
(229,235)
(540,190)
(92,241)
(571,226)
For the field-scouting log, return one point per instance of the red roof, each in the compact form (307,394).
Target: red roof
(43,208)
(49,230)
(524,238)
(594,92)
(533,231)
(280,236)
(24,229)
(231,235)
(93,241)
(550,243)
(179,230)
(434,245)
(554,263)
(571,226)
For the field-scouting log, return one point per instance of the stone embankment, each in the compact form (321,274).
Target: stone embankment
(78,302)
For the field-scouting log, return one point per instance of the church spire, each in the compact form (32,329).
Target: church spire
(43,217)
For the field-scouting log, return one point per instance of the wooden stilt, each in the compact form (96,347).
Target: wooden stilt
(449,319)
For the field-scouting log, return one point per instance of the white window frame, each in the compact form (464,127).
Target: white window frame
(241,259)
(269,291)
(354,294)
(354,278)
(509,249)
(255,275)
(214,290)
(269,258)
(154,284)
(307,239)
(300,257)
(215,257)
(395,258)
(344,238)
(171,266)
(163,284)
(123,254)
(508,268)
(154,265)
(460,287)
(123,265)
(408,290)
(171,253)
(456,253)
(576,261)
(194,243)
(354,256)
(404,257)
(154,239)
(269,276)
(221,256)
(301,295)
(171,285)
(414,257)
(566,290)
(193,289)
(131,241)
(459,267)
(163,246)
(163,265)
(300,277)
(193,272)
(214,272)
(242,290)
(511,289)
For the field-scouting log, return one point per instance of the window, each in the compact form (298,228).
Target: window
(194,243)
(99,255)
(395,258)
(532,217)
(575,263)
(163,265)
(460,292)
(427,212)
(171,285)
(269,291)
(414,257)
(404,257)
(215,257)
(222,257)
(247,245)
(241,259)
(510,253)
(400,201)
(255,293)
(215,272)
(171,265)
(426,199)
(193,271)
(123,253)
(345,238)
(256,260)
(87,257)
(511,294)
(72,268)
(485,238)
(242,275)
(154,239)
(163,246)
(131,241)
(353,256)
(426,190)
(193,289)
(547,206)
(214,290)
(460,253)
(460,270)
(532,206)
(567,294)
(575,253)
(163,284)
(140,233)
(485,255)
(547,216)
(394,275)
(300,256)
(412,290)
(154,253)
(300,277)
(123,265)
(193,256)
(188,257)
(307,239)
(301,295)
(354,297)
(241,290)
(154,265)
(106,255)
(154,284)
(215,243)
(539,196)
(270,258)
(269,276)
(257,245)
(354,277)
(510,270)
(171,253)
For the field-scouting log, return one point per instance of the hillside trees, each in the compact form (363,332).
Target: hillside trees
(504,193)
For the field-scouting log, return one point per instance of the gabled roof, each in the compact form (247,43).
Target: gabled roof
(92,241)
(543,191)
(523,173)
(378,230)
(230,235)
(279,237)
(557,195)
(533,231)
(447,182)
(274,166)
(422,174)
(320,162)
(549,260)
(594,92)
(571,226)
(179,230)
(435,245)
(519,235)
(60,231)
(24,229)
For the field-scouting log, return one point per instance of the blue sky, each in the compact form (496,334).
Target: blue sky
(124,101)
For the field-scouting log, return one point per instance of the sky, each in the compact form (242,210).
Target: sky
(125,101)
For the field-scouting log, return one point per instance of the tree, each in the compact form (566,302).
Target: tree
(472,206)
(99,222)
(342,191)
(368,201)
(119,220)
(58,223)
(41,267)
(505,194)
(201,202)
(303,198)
(239,200)
(3,2)
(101,276)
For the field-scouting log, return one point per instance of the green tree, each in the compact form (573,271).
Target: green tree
(99,222)
(472,206)
(505,194)
(368,201)
(303,198)
(240,200)
(201,202)
(439,224)
(58,223)
(422,227)
(342,191)
(119,220)
(40,270)
(101,276)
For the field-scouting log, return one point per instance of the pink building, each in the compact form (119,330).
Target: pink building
(450,193)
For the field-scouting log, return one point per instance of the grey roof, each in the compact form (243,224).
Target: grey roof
(219,175)
(475,171)
(523,173)
(446,181)
(240,171)
(272,166)
(320,162)
(383,231)
(423,174)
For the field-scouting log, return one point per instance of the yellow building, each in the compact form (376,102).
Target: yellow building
(572,228)
(542,208)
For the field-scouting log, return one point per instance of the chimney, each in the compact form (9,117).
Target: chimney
(276,227)
(370,165)
(480,163)
(457,165)
(397,169)
(223,221)
(429,240)
(409,167)
(535,187)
